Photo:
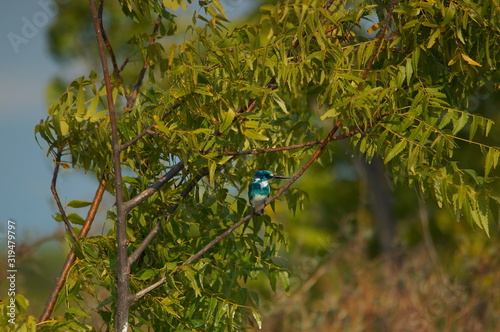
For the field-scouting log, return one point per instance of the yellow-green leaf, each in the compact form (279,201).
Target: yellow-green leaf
(75,219)
(78,204)
(254,135)
(469,60)
(228,120)
(395,151)
(80,101)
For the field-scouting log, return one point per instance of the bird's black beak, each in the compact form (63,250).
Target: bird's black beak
(281,177)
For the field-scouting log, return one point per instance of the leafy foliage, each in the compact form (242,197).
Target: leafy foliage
(278,83)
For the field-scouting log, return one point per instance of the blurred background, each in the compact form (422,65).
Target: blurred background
(364,254)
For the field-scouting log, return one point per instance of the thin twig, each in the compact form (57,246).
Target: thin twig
(149,129)
(146,193)
(380,37)
(116,69)
(26,250)
(145,66)
(53,189)
(297,146)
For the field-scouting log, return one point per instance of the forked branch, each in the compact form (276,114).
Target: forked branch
(70,259)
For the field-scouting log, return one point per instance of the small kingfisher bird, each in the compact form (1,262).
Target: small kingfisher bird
(259,190)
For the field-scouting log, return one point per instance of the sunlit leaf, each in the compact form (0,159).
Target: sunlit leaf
(78,204)
(469,60)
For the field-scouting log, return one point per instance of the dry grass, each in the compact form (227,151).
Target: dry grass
(348,292)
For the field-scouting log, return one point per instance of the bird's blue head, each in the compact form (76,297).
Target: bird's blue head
(260,176)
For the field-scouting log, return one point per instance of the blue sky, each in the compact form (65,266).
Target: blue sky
(25,170)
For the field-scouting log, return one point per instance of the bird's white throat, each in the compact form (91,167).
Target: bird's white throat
(263,184)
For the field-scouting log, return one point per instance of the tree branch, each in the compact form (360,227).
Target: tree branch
(146,193)
(70,259)
(116,69)
(149,129)
(123,274)
(57,163)
(135,91)
(380,37)
(298,146)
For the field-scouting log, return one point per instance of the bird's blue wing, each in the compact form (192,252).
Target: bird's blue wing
(253,189)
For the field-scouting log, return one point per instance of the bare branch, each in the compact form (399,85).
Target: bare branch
(116,69)
(146,193)
(380,37)
(125,62)
(57,163)
(298,146)
(149,129)
(70,259)
(135,91)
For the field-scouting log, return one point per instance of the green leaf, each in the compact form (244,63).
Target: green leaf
(221,311)
(22,302)
(273,278)
(491,160)
(285,281)
(331,113)
(228,120)
(145,274)
(80,101)
(78,204)
(469,60)
(77,312)
(174,4)
(257,317)
(92,107)
(212,167)
(189,273)
(75,219)
(433,37)
(160,126)
(250,133)
(201,130)
(280,103)
(460,123)
(395,151)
